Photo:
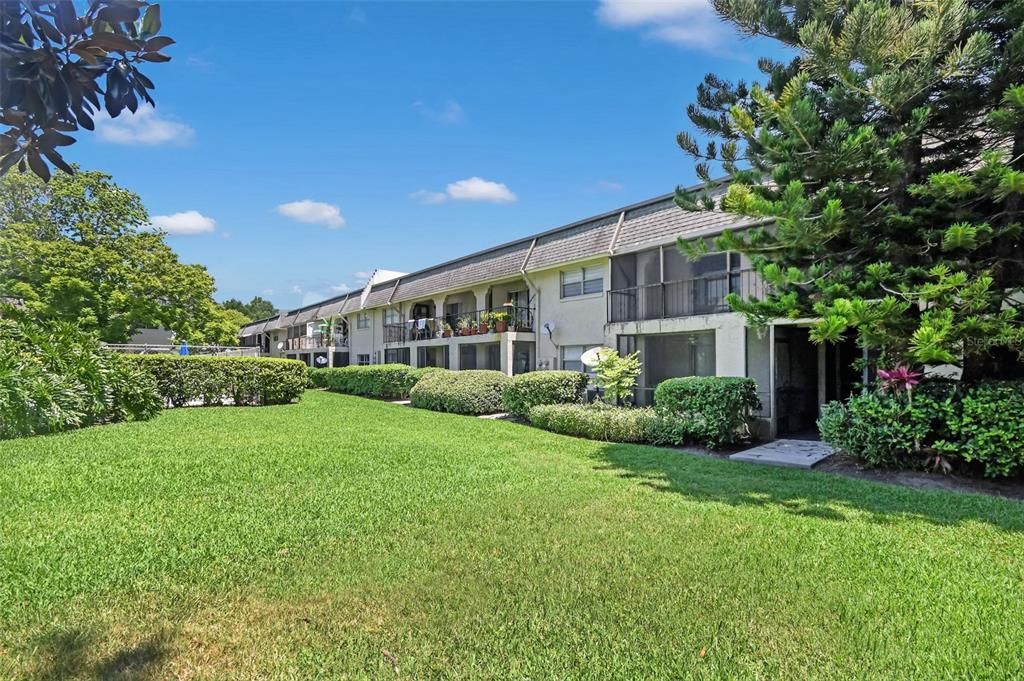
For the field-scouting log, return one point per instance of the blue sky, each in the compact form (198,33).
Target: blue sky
(297,145)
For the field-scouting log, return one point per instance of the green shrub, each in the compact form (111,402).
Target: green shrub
(54,376)
(595,421)
(543,387)
(475,391)
(890,430)
(717,409)
(990,430)
(834,425)
(212,380)
(384,381)
(671,431)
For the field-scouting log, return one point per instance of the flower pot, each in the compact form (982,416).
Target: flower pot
(482,328)
(446,334)
(501,327)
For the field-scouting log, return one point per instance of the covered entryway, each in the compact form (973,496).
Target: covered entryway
(796,382)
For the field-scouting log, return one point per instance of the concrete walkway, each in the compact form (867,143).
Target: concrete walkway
(795,453)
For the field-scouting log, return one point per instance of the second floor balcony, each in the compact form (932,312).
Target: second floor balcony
(496,320)
(685,298)
(315,341)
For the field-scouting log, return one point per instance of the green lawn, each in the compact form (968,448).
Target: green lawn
(342,537)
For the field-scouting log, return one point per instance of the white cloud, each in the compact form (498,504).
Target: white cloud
(143,128)
(428,197)
(687,23)
(268,291)
(362,276)
(185,223)
(479,189)
(450,112)
(470,189)
(296,288)
(313,212)
(341,288)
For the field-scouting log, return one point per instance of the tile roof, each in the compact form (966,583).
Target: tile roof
(306,315)
(663,221)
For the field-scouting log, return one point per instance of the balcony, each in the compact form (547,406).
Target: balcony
(316,341)
(665,300)
(496,320)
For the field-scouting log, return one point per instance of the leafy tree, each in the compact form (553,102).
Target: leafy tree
(257,308)
(881,172)
(78,249)
(223,325)
(52,63)
(617,374)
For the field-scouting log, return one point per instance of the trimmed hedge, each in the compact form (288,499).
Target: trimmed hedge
(990,430)
(384,381)
(595,421)
(474,391)
(979,426)
(212,380)
(715,410)
(55,377)
(543,387)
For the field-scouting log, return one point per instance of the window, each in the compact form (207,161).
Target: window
(583,281)
(363,322)
(392,316)
(396,356)
(363,360)
(467,356)
(571,357)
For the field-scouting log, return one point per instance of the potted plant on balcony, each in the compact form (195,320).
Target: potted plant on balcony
(485,322)
(446,330)
(467,326)
(500,320)
(326,331)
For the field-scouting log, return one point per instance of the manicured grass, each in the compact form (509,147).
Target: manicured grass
(342,537)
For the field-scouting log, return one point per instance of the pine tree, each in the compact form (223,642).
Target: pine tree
(888,158)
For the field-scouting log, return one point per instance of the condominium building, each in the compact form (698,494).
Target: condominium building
(540,302)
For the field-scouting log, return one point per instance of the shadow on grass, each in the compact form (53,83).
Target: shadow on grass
(807,493)
(66,655)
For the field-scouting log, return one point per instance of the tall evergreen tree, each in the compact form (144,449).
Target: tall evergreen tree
(887,159)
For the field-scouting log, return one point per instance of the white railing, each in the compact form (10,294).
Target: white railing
(151,349)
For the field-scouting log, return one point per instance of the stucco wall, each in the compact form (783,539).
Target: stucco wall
(577,321)
(365,341)
(730,336)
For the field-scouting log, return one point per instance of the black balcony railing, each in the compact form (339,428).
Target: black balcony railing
(704,295)
(495,320)
(317,340)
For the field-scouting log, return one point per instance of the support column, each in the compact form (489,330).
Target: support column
(481,297)
(507,355)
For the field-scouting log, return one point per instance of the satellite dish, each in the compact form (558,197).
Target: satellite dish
(320,361)
(594,356)
(280,346)
(549,327)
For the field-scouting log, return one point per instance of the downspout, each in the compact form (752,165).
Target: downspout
(615,235)
(536,322)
